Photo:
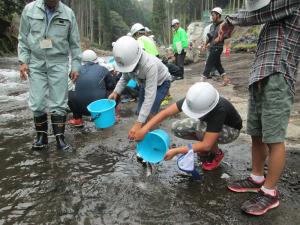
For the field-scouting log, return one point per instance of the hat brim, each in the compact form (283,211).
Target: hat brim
(128,69)
(186,110)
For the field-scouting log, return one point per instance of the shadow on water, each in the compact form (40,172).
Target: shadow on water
(100,181)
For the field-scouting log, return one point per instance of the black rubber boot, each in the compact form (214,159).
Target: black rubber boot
(58,125)
(41,127)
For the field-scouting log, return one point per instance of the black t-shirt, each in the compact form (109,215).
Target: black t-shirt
(223,113)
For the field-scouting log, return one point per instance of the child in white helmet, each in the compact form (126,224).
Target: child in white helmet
(151,74)
(212,120)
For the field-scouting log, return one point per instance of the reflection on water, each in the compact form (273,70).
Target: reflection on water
(99,182)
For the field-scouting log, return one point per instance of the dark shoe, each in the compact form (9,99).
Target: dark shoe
(215,162)
(58,125)
(246,185)
(260,204)
(206,157)
(41,127)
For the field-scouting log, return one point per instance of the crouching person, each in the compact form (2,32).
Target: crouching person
(150,73)
(93,83)
(212,120)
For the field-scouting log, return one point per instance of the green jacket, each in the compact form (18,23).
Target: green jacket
(62,30)
(148,45)
(180,36)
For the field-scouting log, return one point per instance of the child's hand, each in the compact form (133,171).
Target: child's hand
(135,127)
(170,154)
(140,134)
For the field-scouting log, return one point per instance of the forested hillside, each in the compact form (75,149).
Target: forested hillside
(102,21)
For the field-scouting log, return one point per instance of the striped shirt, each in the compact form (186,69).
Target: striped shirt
(278,47)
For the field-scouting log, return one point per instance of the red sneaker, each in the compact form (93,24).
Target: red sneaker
(213,163)
(76,122)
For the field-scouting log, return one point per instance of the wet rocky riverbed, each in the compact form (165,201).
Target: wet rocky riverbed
(100,182)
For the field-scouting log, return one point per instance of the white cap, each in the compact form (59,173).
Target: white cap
(200,99)
(89,56)
(174,21)
(136,28)
(217,10)
(252,5)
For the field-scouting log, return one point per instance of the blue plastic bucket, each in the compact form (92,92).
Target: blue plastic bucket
(103,112)
(132,83)
(154,146)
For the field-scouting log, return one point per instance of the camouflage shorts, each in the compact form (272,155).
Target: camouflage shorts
(194,129)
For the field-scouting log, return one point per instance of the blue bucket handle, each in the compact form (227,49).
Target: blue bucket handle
(96,117)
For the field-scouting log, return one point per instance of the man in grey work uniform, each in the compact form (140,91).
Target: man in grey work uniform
(48,34)
(271,89)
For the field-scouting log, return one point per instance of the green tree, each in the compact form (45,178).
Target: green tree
(159,19)
(118,26)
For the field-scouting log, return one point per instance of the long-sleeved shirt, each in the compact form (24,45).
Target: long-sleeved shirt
(181,36)
(61,29)
(150,73)
(278,48)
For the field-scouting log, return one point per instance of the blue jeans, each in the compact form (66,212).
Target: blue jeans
(161,93)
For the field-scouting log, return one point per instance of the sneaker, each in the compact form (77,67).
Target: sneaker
(214,162)
(245,185)
(260,204)
(76,122)
(125,100)
(226,81)
(164,102)
(169,97)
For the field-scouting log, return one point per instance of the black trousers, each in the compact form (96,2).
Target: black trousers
(78,106)
(214,61)
(179,61)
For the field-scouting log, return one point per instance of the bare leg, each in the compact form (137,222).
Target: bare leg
(259,155)
(276,164)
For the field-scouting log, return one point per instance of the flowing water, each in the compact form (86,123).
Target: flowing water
(99,181)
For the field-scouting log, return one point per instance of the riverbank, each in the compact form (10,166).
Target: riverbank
(100,182)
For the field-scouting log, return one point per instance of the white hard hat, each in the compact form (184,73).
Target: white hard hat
(200,99)
(252,5)
(147,29)
(127,53)
(89,56)
(136,27)
(174,21)
(217,10)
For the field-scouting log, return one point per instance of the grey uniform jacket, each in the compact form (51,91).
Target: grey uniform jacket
(150,73)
